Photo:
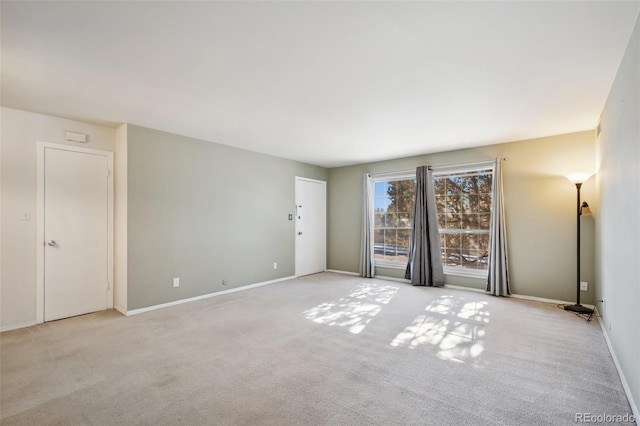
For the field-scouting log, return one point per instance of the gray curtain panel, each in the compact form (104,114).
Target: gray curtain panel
(425,257)
(367,267)
(498,277)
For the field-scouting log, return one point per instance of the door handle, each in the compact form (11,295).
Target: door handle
(299,233)
(51,243)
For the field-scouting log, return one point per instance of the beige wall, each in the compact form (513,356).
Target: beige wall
(617,214)
(120,231)
(205,213)
(241,231)
(20,132)
(540,206)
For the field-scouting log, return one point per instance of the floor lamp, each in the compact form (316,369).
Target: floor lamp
(581,209)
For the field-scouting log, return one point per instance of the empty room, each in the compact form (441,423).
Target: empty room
(319,212)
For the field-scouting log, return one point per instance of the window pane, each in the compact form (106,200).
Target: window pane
(452,187)
(484,221)
(378,220)
(452,257)
(380,189)
(454,204)
(453,221)
(404,242)
(405,203)
(378,244)
(406,188)
(382,204)
(484,203)
(483,261)
(483,242)
(463,207)
(469,184)
(381,246)
(469,221)
(392,189)
(439,186)
(450,240)
(393,218)
(470,259)
(390,244)
(378,236)
(485,183)
(470,204)
(470,242)
(404,220)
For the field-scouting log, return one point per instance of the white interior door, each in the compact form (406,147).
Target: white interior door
(76,233)
(311,226)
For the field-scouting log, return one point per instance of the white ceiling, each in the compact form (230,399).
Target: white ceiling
(326,83)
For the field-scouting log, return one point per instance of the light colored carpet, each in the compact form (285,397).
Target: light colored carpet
(326,349)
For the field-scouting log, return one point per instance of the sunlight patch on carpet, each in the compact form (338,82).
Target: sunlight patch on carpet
(354,311)
(451,325)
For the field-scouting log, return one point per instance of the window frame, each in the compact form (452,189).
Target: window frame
(387,177)
(448,171)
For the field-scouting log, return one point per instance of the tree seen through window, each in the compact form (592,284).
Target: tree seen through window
(463,206)
(393,218)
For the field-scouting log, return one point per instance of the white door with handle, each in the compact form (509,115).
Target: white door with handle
(76,203)
(311,226)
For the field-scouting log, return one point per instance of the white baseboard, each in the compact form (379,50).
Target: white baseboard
(459,287)
(545,300)
(625,385)
(477,290)
(540,299)
(400,280)
(381,277)
(205,296)
(17,326)
(336,271)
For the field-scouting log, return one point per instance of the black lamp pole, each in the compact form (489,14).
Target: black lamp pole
(578,307)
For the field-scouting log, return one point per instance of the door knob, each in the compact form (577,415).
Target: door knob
(51,243)
(299,233)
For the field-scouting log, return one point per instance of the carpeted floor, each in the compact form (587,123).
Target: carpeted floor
(326,349)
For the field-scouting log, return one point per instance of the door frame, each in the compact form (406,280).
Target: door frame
(324,186)
(40,247)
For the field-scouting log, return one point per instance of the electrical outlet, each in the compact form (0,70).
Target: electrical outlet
(176,282)
(275,265)
(224,282)
(584,286)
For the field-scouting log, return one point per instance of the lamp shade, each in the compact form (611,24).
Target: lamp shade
(584,209)
(579,177)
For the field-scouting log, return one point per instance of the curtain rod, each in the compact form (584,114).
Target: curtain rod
(395,172)
(435,168)
(460,165)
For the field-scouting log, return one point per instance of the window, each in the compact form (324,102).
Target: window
(392,218)
(463,206)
